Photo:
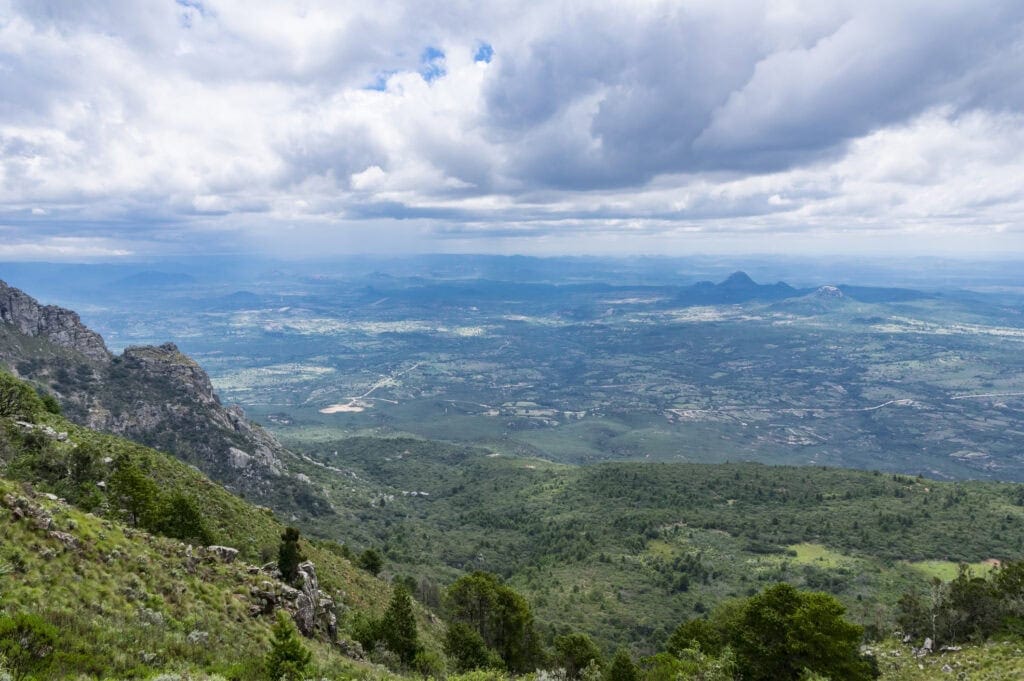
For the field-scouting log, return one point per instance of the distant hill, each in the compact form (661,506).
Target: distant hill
(154,279)
(738,287)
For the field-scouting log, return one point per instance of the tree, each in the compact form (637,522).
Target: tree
(27,643)
(622,668)
(133,491)
(500,615)
(575,652)
(289,555)
(784,633)
(287,659)
(17,399)
(696,633)
(49,403)
(467,649)
(371,561)
(178,516)
(398,626)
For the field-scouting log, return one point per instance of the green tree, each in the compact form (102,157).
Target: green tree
(467,649)
(83,465)
(696,633)
(287,659)
(27,643)
(133,492)
(289,555)
(17,399)
(398,626)
(366,630)
(371,561)
(575,652)
(500,615)
(50,403)
(622,668)
(178,516)
(784,633)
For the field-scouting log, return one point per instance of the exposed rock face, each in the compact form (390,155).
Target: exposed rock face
(311,608)
(223,554)
(167,363)
(59,326)
(155,395)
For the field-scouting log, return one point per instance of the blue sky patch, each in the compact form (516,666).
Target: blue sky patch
(432,64)
(380,83)
(484,53)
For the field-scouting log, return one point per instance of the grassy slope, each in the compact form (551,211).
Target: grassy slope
(992,661)
(125,602)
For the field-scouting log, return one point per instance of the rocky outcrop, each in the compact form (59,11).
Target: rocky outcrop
(155,395)
(168,364)
(222,554)
(312,609)
(59,326)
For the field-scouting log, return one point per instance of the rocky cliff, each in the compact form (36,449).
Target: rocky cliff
(155,395)
(55,324)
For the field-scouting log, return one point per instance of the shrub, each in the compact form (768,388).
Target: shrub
(27,643)
(17,399)
(287,659)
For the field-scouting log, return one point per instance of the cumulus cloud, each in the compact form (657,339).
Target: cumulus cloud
(635,124)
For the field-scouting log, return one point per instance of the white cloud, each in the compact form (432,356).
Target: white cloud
(644,122)
(61,248)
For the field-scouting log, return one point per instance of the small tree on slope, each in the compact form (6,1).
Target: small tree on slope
(288,659)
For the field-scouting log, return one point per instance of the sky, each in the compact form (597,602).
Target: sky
(163,127)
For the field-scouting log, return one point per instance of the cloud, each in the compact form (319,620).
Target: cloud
(219,121)
(61,248)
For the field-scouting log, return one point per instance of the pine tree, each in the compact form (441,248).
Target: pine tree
(287,659)
(371,561)
(398,627)
(289,555)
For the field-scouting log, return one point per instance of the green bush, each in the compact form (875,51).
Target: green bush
(17,399)
(27,643)
(287,659)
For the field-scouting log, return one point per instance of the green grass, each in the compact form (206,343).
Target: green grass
(816,554)
(126,601)
(947,570)
(992,661)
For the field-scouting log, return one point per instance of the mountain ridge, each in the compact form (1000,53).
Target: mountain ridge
(154,395)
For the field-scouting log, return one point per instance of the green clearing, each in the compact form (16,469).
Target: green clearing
(947,570)
(816,554)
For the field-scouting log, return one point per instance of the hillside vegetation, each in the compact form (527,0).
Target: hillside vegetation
(625,550)
(118,561)
(83,551)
